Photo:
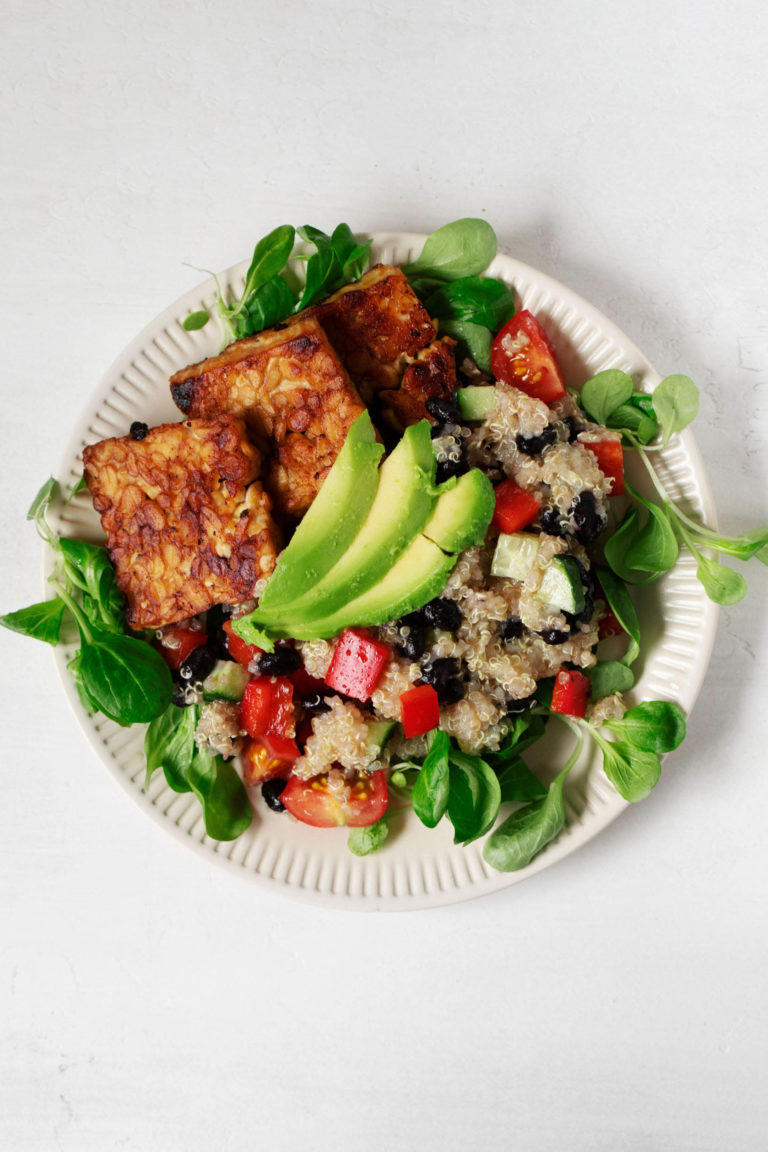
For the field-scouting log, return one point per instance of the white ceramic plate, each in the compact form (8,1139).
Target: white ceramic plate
(416,868)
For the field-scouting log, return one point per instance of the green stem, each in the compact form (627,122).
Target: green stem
(80,619)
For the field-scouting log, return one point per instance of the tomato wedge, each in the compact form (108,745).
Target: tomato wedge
(268,757)
(523,357)
(312,802)
(238,649)
(357,664)
(610,461)
(177,643)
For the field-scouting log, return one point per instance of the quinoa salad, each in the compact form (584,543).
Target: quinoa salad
(379,554)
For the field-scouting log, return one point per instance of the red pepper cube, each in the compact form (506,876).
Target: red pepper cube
(178,642)
(570,694)
(515,508)
(267,707)
(357,664)
(419,710)
(237,647)
(610,461)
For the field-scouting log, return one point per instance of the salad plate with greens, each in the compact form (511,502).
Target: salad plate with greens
(451,585)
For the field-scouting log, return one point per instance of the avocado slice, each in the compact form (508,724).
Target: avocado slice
(404,501)
(334,518)
(460,518)
(462,513)
(417,577)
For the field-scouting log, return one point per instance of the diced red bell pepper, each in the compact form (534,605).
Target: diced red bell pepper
(570,694)
(238,648)
(419,710)
(267,707)
(515,508)
(268,757)
(610,461)
(357,664)
(305,684)
(178,642)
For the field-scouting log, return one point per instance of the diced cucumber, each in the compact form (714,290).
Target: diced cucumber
(515,555)
(477,402)
(226,682)
(561,586)
(378,733)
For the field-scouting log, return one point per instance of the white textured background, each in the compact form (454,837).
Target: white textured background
(616,1002)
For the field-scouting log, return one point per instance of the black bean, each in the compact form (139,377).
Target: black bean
(443,614)
(138,430)
(442,410)
(444,674)
(554,636)
(198,664)
(574,427)
(281,662)
(272,790)
(512,629)
(551,522)
(533,445)
(182,697)
(517,707)
(414,643)
(448,468)
(588,520)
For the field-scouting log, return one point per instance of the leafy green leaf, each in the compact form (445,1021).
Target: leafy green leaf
(632,417)
(361,841)
(269,304)
(73,667)
(430,792)
(527,729)
(474,796)
(463,248)
(169,744)
(654,547)
(40,621)
(609,676)
(227,810)
(474,340)
(632,771)
(655,726)
(518,784)
(80,486)
(88,566)
(196,320)
(125,678)
(522,835)
(270,256)
(620,602)
(676,401)
(606,392)
(352,257)
(323,266)
(481,300)
(721,584)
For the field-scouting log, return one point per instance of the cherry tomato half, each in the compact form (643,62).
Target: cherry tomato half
(523,357)
(311,801)
(268,757)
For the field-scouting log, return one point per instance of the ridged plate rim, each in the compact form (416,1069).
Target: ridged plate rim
(417,868)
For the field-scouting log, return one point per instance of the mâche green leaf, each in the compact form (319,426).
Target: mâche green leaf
(227,811)
(676,403)
(361,841)
(474,796)
(522,835)
(430,792)
(464,248)
(656,726)
(169,744)
(196,320)
(40,621)
(606,392)
(126,678)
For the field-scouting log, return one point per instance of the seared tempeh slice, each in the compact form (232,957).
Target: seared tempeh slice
(188,524)
(430,373)
(297,399)
(374,324)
